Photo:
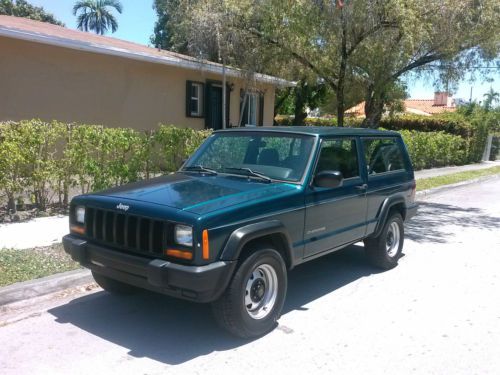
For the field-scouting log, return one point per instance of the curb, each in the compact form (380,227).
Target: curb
(45,285)
(439,189)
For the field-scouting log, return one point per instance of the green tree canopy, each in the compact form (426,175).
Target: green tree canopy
(97,15)
(21,8)
(368,44)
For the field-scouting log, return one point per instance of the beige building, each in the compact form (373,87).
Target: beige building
(53,73)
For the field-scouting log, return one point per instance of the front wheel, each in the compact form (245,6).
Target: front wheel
(385,250)
(253,301)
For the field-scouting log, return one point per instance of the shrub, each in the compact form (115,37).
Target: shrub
(39,158)
(434,149)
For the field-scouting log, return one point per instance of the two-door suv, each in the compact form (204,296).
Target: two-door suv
(246,207)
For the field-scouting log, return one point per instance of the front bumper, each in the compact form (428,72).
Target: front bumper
(195,283)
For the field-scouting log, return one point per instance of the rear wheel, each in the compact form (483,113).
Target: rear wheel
(253,301)
(385,250)
(113,286)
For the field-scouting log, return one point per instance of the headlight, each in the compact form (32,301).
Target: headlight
(183,235)
(80,214)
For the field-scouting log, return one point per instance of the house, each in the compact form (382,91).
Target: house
(442,102)
(54,73)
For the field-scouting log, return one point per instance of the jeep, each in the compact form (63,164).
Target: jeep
(248,206)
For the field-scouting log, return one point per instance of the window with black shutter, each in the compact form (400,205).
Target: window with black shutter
(194,99)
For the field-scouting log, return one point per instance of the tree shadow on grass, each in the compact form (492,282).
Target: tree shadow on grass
(174,331)
(433,221)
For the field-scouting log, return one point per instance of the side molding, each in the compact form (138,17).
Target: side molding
(384,211)
(241,236)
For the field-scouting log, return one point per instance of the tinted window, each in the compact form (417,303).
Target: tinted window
(383,155)
(339,155)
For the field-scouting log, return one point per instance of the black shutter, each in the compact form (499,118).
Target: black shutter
(261,110)
(189,89)
(228,103)
(244,119)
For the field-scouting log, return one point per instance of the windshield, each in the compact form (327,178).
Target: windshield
(277,156)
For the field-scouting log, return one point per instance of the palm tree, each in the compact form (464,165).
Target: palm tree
(95,15)
(491,97)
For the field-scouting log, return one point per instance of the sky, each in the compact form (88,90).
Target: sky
(136,24)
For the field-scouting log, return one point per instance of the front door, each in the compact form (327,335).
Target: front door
(336,216)
(214,106)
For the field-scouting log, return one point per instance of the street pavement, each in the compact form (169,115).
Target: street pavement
(438,312)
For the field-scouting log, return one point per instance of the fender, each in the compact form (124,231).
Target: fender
(241,236)
(384,211)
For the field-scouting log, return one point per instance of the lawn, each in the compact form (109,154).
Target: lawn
(28,264)
(432,182)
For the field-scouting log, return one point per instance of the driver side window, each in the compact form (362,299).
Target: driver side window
(339,155)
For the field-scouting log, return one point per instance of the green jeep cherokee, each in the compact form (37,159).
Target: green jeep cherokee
(249,205)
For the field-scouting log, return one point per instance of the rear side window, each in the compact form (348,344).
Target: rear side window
(383,155)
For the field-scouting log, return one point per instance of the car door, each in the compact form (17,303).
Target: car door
(336,216)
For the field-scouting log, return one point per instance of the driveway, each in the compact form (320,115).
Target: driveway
(438,312)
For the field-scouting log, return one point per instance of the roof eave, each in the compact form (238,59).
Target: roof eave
(111,51)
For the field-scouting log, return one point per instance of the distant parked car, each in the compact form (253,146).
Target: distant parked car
(249,205)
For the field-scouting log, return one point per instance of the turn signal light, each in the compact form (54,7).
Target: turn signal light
(205,248)
(179,254)
(77,229)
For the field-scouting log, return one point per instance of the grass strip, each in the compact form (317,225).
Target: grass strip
(28,264)
(432,182)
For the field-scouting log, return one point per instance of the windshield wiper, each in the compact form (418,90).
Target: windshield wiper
(250,173)
(199,168)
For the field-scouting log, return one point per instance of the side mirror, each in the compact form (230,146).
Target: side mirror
(328,179)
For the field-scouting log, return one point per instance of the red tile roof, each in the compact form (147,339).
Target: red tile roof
(42,32)
(416,106)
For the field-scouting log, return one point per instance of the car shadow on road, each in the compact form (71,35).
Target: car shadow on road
(432,222)
(174,331)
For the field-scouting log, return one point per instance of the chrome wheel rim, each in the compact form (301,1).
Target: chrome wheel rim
(392,239)
(261,291)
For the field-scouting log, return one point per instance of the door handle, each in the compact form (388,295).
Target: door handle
(361,187)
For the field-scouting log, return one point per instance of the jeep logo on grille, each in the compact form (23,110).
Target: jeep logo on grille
(123,207)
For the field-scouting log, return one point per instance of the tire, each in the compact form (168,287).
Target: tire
(113,286)
(252,303)
(385,250)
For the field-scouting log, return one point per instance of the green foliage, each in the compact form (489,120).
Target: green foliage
(96,15)
(21,8)
(41,159)
(176,144)
(21,265)
(434,149)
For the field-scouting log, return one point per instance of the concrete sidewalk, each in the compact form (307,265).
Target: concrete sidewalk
(435,172)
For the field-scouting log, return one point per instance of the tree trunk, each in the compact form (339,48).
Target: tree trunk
(342,71)
(11,204)
(299,110)
(374,108)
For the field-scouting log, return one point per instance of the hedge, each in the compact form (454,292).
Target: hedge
(472,130)
(44,159)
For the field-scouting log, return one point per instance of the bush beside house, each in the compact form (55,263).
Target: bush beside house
(43,160)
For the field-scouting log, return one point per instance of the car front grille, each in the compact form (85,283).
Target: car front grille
(127,232)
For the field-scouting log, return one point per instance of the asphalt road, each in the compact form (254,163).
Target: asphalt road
(438,312)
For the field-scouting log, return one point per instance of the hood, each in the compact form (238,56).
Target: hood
(196,193)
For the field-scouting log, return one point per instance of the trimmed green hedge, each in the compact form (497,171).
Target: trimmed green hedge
(434,149)
(40,159)
(469,133)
